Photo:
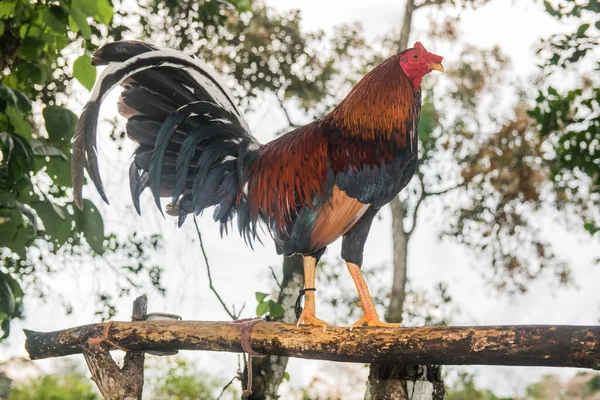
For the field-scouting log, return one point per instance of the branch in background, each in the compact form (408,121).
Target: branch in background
(440,192)
(525,345)
(231,314)
(415,213)
(422,196)
(227,386)
(429,3)
(291,124)
(275,277)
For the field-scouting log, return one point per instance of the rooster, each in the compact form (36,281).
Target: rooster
(309,187)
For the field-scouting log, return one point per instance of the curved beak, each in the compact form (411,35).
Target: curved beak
(436,66)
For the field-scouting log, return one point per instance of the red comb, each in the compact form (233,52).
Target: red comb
(418,45)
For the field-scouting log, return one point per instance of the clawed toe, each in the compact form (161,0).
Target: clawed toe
(373,322)
(312,320)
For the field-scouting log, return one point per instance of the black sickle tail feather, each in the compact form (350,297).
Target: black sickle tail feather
(194,144)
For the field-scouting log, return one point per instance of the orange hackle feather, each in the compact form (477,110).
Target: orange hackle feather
(378,107)
(292,170)
(289,170)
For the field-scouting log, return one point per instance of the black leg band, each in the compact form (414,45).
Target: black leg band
(298,306)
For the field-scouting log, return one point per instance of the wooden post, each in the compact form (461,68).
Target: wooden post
(117,383)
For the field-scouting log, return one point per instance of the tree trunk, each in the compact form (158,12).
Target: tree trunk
(400,382)
(400,252)
(405,382)
(406,25)
(267,372)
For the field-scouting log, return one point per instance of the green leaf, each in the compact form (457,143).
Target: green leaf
(43,149)
(7,7)
(30,48)
(7,96)
(260,296)
(79,18)
(591,228)
(30,30)
(84,71)
(88,7)
(60,124)
(18,158)
(11,296)
(14,234)
(89,222)
(275,309)
(31,72)
(23,102)
(1,27)
(18,122)
(7,300)
(104,12)
(550,10)
(52,18)
(57,223)
(59,170)
(262,309)
(581,30)
(14,286)
(286,376)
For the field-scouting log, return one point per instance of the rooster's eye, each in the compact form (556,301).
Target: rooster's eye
(416,57)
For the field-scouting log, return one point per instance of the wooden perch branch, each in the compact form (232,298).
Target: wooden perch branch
(527,345)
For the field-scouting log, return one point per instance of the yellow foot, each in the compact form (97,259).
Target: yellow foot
(373,321)
(309,319)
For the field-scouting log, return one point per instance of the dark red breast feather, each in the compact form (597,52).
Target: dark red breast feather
(293,169)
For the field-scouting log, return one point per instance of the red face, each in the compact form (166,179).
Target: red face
(417,62)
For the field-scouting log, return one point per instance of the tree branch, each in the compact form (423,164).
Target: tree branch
(424,194)
(429,3)
(231,314)
(287,115)
(526,345)
(444,191)
(116,383)
(415,213)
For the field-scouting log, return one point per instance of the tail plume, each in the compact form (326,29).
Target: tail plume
(194,143)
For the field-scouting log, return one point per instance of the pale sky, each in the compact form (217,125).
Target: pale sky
(239,272)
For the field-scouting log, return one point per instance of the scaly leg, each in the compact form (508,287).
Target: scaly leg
(308,313)
(370,317)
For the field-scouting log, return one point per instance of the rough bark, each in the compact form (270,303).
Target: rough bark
(268,371)
(390,380)
(406,25)
(526,345)
(116,383)
(400,382)
(400,252)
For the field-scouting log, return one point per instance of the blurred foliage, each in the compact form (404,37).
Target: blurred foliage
(513,168)
(262,50)
(464,388)
(569,118)
(180,379)
(40,229)
(71,386)
(583,386)
(173,378)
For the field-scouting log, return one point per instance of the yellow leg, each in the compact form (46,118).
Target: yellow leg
(370,317)
(308,313)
